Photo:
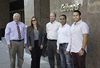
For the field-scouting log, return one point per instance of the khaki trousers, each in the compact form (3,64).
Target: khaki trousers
(16,50)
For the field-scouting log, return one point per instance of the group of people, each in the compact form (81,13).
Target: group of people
(68,44)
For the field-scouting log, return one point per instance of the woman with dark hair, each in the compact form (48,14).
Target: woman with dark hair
(35,41)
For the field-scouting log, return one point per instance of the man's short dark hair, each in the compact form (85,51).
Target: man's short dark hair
(77,12)
(63,16)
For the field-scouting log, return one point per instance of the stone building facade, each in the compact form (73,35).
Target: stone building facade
(91,15)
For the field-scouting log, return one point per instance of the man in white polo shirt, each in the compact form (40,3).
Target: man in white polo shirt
(51,29)
(79,33)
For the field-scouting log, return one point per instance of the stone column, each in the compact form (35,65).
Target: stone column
(39,8)
(42,11)
(28,10)
(4,15)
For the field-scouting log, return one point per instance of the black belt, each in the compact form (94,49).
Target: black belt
(52,40)
(63,44)
(18,40)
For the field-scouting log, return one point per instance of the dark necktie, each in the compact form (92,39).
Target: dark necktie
(18,30)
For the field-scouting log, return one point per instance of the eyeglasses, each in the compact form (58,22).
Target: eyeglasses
(33,20)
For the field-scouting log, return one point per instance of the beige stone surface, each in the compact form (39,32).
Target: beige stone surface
(91,15)
(28,10)
(94,6)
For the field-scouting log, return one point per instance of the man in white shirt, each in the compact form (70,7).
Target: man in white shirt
(63,43)
(79,33)
(51,30)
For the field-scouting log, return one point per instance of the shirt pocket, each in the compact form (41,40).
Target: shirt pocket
(21,29)
(13,29)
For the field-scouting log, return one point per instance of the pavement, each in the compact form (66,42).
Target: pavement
(5,62)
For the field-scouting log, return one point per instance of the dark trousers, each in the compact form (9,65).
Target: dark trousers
(79,61)
(35,55)
(52,53)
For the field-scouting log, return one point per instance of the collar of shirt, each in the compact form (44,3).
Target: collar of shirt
(76,23)
(64,25)
(53,22)
(16,22)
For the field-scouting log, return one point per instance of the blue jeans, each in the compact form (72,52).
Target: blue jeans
(66,59)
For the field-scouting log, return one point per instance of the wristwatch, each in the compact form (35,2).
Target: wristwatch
(82,49)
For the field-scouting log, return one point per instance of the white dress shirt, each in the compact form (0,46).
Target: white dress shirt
(11,32)
(64,36)
(77,31)
(51,29)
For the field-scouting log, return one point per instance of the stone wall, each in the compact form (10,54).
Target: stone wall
(91,15)
(42,11)
(93,18)
(39,8)
(4,13)
(28,10)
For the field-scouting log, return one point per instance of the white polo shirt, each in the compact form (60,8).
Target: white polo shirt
(77,31)
(51,29)
(64,36)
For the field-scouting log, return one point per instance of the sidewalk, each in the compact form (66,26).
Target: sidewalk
(5,62)
(4,58)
